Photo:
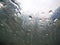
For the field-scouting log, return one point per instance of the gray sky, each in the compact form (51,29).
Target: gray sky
(34,6)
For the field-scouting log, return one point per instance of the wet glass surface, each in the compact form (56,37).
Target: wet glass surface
(18,27)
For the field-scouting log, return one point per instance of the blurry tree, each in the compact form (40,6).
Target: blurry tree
(57,42)
(10,23)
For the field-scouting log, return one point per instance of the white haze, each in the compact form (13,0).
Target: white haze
(38,6)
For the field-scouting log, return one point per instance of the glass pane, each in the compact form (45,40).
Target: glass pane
(29,22)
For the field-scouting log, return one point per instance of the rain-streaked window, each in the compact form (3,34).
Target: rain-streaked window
(29,22)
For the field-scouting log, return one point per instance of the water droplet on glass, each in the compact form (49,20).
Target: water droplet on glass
(30,17)
(47,34)
(2,24)
(29,30)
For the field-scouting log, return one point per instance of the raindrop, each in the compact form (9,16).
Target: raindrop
(40,20)
(16,10)
(47,34)
(2,24)
(30,17)
(55,20)
(1,5)
(15,14)
(18,14)
(29,30)
(50,11)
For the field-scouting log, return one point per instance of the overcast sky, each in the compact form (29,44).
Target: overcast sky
(34,6)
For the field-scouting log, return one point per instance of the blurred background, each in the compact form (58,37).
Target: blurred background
(29,22)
